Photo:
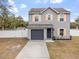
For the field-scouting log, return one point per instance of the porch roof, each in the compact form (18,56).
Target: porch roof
(40,26)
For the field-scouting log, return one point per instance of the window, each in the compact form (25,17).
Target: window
(36,18)
(49,16)
(61,32)
(61,17)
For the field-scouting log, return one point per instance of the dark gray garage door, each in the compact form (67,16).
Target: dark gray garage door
(37,34)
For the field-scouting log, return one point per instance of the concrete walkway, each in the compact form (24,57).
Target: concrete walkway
(34,50)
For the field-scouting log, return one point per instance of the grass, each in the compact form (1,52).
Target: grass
(9,48)
(64,49)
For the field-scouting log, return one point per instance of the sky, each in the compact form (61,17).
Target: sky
(22,7)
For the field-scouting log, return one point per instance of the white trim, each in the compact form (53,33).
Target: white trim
(50,8)
(65,12)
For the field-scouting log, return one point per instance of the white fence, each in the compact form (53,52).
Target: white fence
(24,33)
(13,33)
(74,32)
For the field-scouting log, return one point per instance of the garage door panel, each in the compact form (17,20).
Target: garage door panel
(37,34)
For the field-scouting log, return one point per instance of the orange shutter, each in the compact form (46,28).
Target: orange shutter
(65,17)
(39,17)
(58,31)
(58,17)
(64,32)
(46,17)
(33,18)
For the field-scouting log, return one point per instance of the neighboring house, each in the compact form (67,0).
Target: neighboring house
(46,23)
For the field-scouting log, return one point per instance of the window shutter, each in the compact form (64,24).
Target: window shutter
(39,17)
(65,17)
(58,17)
(33,18)
(51,17)
(64,32)
(46,17)
(58,32)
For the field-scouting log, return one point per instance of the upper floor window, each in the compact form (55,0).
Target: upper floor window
(61,32)
(61,17)
(49,16)
(36,18)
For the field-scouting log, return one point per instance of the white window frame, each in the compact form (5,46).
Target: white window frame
(61,16)
(62,32)
(37,17)
(51,16)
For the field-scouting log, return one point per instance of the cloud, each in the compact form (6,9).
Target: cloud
(11,2)
(38,1)
(13,9)
(72,20)
(25,18)
(49,1)
(45,1)
(42,2)
(56,1)
(67,9)
(74,16)
(23,6)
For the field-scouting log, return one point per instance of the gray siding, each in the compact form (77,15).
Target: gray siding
(56,24)
(43,18)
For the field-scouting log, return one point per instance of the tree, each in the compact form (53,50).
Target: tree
(4,12)
(7,19)
(77,21)
(16,22)
(73,25)
(21,22)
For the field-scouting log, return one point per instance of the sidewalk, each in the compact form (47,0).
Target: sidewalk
(34,50)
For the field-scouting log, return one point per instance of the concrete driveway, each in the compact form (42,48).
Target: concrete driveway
(34,50)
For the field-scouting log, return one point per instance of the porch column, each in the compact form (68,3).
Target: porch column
(45,34)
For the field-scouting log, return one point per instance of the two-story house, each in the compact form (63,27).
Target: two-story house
(46,23)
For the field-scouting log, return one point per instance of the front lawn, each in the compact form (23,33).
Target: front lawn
(64,49)
(9,48)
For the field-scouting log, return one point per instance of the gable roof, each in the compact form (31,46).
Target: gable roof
(40,10)
(51,9)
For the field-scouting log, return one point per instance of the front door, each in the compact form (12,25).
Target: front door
(48,32)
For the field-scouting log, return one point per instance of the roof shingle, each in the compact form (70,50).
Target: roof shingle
(38,10)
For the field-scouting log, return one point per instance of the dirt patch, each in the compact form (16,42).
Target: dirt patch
(9,48)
